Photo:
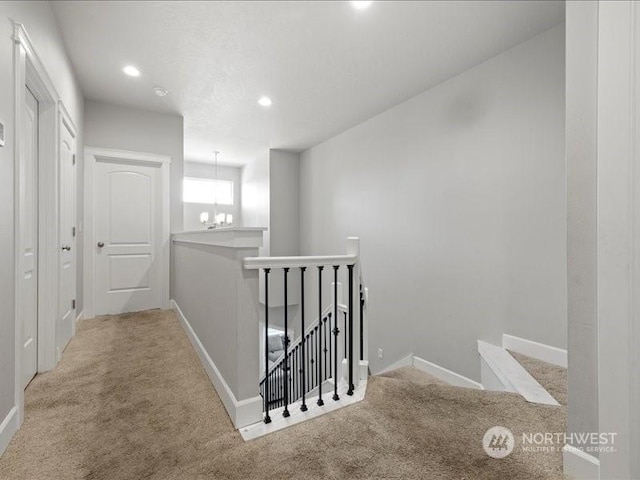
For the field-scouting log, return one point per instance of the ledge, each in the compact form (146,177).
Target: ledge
(230,237)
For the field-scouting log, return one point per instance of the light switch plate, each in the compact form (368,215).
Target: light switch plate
(1,134)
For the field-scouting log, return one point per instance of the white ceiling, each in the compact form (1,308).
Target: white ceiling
(326,65)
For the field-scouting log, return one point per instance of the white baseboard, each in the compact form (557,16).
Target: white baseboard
(444,374)
(493,380)
(278,422)
(364,370)
(243,412)
(80,317)
(403,362)
(503,373)
(546,353)
(580,465)
(8,428)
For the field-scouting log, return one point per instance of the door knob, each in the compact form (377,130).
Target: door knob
(66,247)
(100,244)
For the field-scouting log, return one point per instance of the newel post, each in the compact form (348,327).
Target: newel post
(353,248)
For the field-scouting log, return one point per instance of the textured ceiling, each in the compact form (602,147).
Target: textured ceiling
(326,65)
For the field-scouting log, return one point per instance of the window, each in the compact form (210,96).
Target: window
(206,190)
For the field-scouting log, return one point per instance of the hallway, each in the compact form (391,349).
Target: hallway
(130,400)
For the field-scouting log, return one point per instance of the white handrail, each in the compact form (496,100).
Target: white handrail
(254,263)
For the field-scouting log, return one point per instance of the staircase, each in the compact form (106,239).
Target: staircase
(322,369)
(500,371)
(302,373)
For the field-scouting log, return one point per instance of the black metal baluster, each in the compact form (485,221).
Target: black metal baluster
(285,413)
(294,370)
(299,372)
(324,348)
(307,358)
(307,362)
(294,373)
(361,322)
(314,357)
(267,418)
(330,348)
(335,332)
(350,302)
(311,361)
(346,333)
(280,380)
(304,340)
(320,401)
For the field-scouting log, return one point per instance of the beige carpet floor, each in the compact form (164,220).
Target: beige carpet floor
(130,400)
(551,377)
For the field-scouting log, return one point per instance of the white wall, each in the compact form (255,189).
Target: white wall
(458,196)
(218,296)
(255,195)
(603,158)
(582,146)
(40,24)
(206,170)
(284,221)
(124,128)
(270,199)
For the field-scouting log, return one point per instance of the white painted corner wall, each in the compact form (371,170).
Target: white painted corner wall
(242,413)
(468,247)
(580,465)
(46,43)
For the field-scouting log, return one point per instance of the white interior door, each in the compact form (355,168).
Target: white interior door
(28,249)
(128,209)
(67,268)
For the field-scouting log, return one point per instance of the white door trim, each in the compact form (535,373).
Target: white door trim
(90,155)
(66,121)
(29,71)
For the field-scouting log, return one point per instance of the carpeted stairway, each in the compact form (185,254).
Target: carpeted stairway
(551,377)
(130,400)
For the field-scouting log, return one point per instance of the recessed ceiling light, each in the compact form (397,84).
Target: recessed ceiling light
(361,5)
(161,92)
(131,71)
(265,101)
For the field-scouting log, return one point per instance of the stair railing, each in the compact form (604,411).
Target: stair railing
(314,359)
(310,329)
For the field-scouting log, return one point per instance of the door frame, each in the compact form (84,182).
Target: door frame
(29,72)
(91,156)
(65,121)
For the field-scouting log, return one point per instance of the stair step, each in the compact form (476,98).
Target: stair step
(502,372)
